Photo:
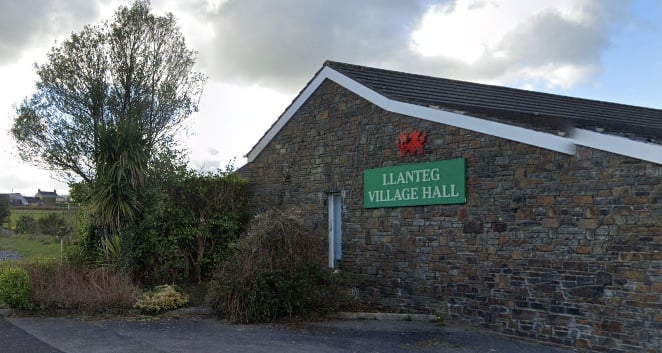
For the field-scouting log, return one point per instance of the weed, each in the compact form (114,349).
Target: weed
(89,290)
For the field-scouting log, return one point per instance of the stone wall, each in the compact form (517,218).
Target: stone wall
(560,248)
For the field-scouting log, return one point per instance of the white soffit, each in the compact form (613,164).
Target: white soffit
(620,145)
(645,151)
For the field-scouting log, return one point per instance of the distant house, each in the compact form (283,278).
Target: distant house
(62,198)
(47,196)
(33,201)
(16,199)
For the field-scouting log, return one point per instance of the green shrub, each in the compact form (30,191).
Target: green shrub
(53,224)
(185,230)
(182,232)
(160,299)
(276,271)
(85,246)
(14,287)
(27,225)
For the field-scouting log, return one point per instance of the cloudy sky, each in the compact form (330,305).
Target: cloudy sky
(258,54)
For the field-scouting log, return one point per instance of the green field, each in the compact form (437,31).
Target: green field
(70,215)
(32,247)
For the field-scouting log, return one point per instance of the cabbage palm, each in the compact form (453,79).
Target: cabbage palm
(121,164)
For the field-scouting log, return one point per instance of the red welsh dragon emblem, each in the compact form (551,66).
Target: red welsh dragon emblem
(411,144)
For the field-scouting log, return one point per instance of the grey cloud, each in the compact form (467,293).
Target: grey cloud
(545,39)
(281,43)
(549,37)
(213,151)
(27,22)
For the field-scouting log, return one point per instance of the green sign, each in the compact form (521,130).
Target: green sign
(430,183)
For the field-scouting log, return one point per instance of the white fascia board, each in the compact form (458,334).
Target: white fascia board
(650,152)
(359,89)
(488,127)
(619,145)
(325,73)
(287,115)
(514,133)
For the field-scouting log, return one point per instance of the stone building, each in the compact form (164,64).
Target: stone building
(530,214)
(47,197)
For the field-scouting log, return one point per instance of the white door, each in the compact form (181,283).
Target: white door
(335,229)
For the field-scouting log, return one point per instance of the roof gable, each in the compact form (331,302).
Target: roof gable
(42,193)
(557,123)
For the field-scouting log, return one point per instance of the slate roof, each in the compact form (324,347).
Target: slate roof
(550,121)
(533,109)
(42,193)
(32,200)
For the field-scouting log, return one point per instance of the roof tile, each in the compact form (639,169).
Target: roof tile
(542,109)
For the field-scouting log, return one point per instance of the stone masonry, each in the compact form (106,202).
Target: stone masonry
(561,248)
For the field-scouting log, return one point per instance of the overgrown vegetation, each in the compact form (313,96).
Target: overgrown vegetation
(109,102)
(14,287)
(89,290)
(180,235)
(198,217)
(145,217)
(275,271)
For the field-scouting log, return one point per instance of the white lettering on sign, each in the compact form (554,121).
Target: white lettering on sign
(411,176)
(404,194)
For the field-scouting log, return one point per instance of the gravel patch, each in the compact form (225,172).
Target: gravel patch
(9,255)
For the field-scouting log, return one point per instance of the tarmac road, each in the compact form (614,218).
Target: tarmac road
(15,340)
(202,335)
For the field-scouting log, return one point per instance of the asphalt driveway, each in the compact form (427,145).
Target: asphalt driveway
(201,335)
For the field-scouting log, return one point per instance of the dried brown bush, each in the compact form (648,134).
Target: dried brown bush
(277,270)
(89,290)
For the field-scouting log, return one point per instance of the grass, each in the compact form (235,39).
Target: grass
(70,215)
(32,247)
